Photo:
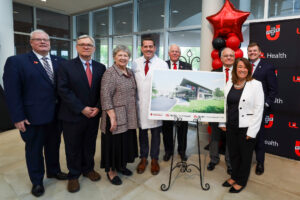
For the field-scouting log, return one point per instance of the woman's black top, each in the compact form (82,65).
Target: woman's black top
(233,99)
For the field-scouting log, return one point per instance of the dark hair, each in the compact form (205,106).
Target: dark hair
(147,38)
(248,66)
(253,44)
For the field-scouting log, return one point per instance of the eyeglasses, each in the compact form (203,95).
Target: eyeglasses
(40,40)
(85,45)
(231,56)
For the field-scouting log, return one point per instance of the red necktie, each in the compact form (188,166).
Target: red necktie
(146,67)
(175,66)
(252,67)
(227,74)
(88,73)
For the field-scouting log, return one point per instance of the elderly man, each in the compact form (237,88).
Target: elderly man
(143,70)
(175,64)
(217,129)
(30,91)
(79,82)
(265,73)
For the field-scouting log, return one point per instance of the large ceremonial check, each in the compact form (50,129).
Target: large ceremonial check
(187,95)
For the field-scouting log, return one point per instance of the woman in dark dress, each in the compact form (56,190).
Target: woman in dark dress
(119,117)
(245,104)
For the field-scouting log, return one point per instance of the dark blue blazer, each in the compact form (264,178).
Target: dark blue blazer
(29,92)
(265,73)
(74,89)
(182,65)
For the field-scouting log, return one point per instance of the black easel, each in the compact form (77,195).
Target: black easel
(183,165)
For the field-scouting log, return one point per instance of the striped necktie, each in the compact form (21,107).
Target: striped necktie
(47,67)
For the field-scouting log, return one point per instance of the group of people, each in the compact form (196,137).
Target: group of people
(47,95)
(250,91)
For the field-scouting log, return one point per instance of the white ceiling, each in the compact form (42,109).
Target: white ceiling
(70,7)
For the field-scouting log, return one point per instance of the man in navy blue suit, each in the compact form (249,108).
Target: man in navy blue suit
(79,83)
(30,91)
(265,73)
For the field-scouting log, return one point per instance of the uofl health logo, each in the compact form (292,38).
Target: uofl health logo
(273,33)
(297,148)
(269,121)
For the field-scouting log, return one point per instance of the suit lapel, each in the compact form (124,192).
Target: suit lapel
(94,74)
(80,69)
(38,65)
(257,69)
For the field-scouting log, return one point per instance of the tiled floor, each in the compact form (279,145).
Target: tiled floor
(280,181)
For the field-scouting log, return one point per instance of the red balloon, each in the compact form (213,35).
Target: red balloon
(217,63)
(215,54)
(233,42)
(238,53)
(230,34)
(228,20)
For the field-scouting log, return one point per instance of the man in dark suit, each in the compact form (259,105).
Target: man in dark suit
(265,73)
(79,82)
(29,84)
(218,130)
(167,129)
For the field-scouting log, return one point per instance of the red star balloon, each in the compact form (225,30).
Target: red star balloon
(228,20)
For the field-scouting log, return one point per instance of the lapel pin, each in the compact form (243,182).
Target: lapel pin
(35,62)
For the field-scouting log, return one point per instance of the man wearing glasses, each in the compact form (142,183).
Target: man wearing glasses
(218,130)
(79,83)
(30,92)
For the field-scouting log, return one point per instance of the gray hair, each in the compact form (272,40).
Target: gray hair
(225,49)
(121,48)
(85,36)
(37,31)
(174,45)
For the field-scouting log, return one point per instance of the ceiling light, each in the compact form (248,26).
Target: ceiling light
(162,15)
(16,12)
(175,11)
(103,24)
(43,0)
(124,22)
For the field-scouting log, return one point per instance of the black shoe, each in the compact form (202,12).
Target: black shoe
(226,184)
(115,181)
(125,172)
(58,176)
(183,156)
(37,190)
(229,171)
(259,169)
(167,156)
(211,166)
(233,190)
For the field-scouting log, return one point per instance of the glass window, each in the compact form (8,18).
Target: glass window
(189,43)
(55,24)
(159,43)
(127,41)
(256,7)
(101,53)
(60,48)
(23,18)
(22,44)
(100,23)
(82,25)
(151,15)
(185,14)
(122,16)
(245,43)
(278,8)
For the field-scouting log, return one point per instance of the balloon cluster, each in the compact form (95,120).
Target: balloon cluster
(219,43)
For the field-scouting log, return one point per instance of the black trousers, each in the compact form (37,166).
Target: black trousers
(80,143)
(260,141)
(37,138)
(240,153)
(167,130)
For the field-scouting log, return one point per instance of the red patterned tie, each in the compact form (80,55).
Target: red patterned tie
(175,66)
(89,73)
(227,73)
(252,67)
(146,67)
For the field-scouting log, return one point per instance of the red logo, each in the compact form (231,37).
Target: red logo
(297,148)
(293,125)
(262,55)
(273,33)
(269,121)
(276,72)
(298,31)
(296,79)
